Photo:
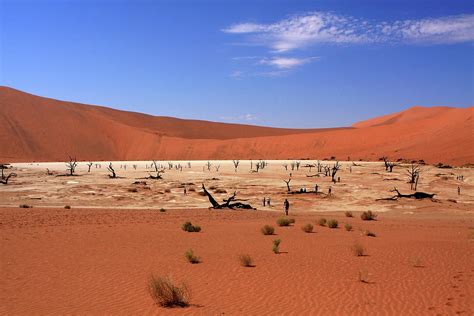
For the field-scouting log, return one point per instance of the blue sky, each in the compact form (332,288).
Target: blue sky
(277,63)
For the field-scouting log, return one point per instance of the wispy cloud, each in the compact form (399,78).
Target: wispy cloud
(322,27)
(241,118)
(286,62)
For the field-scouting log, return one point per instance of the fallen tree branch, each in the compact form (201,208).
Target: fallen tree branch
(417,195)
(227,202)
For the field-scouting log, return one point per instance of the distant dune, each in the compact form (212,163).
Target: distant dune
(34,128)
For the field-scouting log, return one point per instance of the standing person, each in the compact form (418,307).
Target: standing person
(185,191)
(316,189)
(264,200)
(268,202)
(286,204)
(329,191)
(459,190)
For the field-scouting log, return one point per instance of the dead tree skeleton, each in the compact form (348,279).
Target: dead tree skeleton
(227,202)
(335,168)
(89,165)
(110,168)
(4,179)
(413,175)
(417,195)
(288,184)
(71,166)
(236,164)
(159,172)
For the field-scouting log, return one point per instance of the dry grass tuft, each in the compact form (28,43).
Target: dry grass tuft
(276,246)
(308,228)
(348,214)
(190,228)
(369,233)
(348,227)
(25,206)
(368,216)
(358,249)
(267,230)
(165,293)
(246,261)
(189,255)
(322,221)
(283,221)
(332,223)
(67,207)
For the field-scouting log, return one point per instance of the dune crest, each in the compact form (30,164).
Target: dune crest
(41,129)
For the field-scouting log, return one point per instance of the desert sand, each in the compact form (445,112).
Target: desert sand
(41,129)
(96,257)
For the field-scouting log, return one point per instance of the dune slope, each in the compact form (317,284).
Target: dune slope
(40,129)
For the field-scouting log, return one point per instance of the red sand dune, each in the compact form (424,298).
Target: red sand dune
(40,129)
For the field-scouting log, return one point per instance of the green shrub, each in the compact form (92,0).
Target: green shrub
(308,228)
(276,246)
(292,220)
(267,230)
(190,228)
(322,221)
(368,216)
(189,255)
(332,223)
(283,221)
(166,294)
(348,213)
(348,227)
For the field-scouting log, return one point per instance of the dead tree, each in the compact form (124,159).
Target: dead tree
(217,168)
(293,165)
(159,172)
(288,184)
(388,165)
(110,168)
(170,165)
(413,175)
(310,166)
(227,202)
(335,168)
(327,170)
(285,165)
(320,167)
(71,166)
(236,164)
(4,179)
(208,164)
(417,195)
(297,163)
(89,165)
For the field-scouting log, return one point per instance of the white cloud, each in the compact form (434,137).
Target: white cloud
(321,27)
(286,62)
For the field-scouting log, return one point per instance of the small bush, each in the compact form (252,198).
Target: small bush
(166,294)
(276,246)
(67,207)
(133,190)
(246,261)
(308,228)
(167,191)
(363,276)
(322,221)
(369,233)
(220,191)
(190,228)
(162,210)
(283,221)
(267,230)
(368,216)
(332,223)
(348,227)
(192,189)
(348,213)
(25,206)
(202,193)
(358,249)
(189,255)
(292,220)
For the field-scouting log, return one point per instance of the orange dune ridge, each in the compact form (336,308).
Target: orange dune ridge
(42,129)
